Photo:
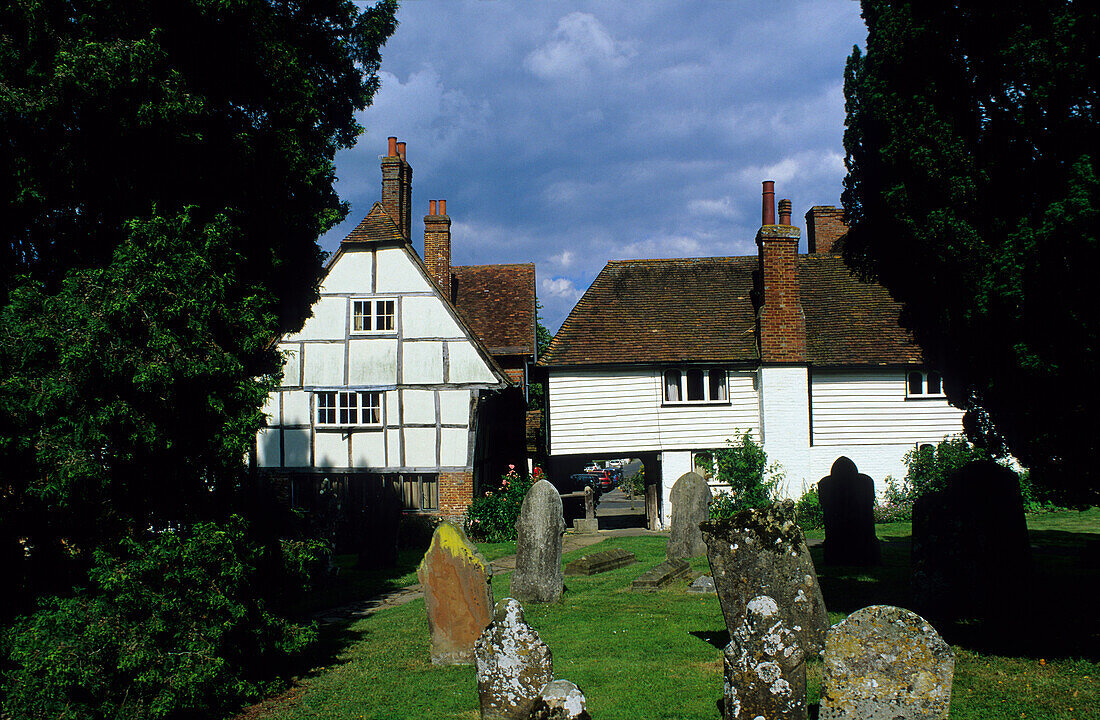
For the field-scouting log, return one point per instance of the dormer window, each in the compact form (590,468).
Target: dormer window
(923,384)
(374,316)
(695,385)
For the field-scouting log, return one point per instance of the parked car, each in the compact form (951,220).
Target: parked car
(578,481)
(616,464)
(607,479)
(592,467)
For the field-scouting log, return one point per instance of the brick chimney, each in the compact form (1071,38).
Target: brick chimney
(824,226)
(397,187)
(437,245)
(782,322)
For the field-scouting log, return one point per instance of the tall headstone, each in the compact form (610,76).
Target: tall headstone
(848,504)
(690,506)
(762,552)
(971,552)
(561,700)
(513,665)
(885,663)
(589,524)
(539,529)
(458,595)
(765,668)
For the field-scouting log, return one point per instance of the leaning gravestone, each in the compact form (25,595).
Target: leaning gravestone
(971,553)
(513,665)
(848,504)
(690,506)
(538,574)
(762,552)
(884,663)
(765,668)
(458,595)
(560,700)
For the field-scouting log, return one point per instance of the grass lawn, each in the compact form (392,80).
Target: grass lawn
(659,655)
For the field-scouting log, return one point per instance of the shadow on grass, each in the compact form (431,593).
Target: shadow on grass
(718,638)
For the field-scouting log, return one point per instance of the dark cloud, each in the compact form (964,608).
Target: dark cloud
(573,133)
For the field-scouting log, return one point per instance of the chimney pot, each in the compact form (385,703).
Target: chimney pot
(767,210)
(401,149)
(785,212)
(442,207)
(393,147)
(431,207)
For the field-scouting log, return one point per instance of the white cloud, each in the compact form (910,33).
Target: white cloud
(580,44)
(565,259)
(717,207)
(560,288)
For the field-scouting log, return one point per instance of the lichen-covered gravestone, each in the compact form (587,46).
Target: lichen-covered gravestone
(884,663)
(690,506)
(513,665)
(765,668)
(762,552)
(560,700)
(971,553)
(848,505)
(458,595)
(538,574)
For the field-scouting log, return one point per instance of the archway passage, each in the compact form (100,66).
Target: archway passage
(633,503)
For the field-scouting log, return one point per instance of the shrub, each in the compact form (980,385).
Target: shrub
(929,467)
(492,517)
(808,509)
(170,626)
(743,466)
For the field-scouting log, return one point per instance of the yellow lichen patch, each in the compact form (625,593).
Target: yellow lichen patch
(448,538)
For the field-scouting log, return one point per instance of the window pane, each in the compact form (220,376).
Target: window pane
(361,315)
(431,492)
(372,408)
(672,385)
(383,310)
(916,383)
(717,384)
(694,384)
(349,408)
(326,408)
(934,384)
(409,492)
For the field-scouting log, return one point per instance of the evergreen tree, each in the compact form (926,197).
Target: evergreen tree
(973,196)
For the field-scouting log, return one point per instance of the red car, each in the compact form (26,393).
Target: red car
(606,479)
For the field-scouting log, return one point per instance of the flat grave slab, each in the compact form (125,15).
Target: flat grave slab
(662,575)
(600,562)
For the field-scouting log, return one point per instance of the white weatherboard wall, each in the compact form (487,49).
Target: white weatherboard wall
(427,369)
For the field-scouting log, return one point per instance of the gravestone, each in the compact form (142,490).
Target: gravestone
(702,585)
(513,665)
(538,574)
(560,700)
(601,562)
(458,595)
(662,575)
(971,553)
(690,506)
(762,552)
(765,669)
(884,663)
(589,524)
(848,504)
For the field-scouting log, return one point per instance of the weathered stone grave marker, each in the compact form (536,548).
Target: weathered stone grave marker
(589,524)
(458,595)
(885,663)
(601,562)
(765,668)
(513,665)
(848,504)
(539,529)
(762,552)
(561,700)
(690,506)
(662,575)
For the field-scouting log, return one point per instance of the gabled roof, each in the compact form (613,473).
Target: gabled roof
(662,311)
(702,310)
(377,226)
(498,303)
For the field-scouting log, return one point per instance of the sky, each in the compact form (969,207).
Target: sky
(569,134)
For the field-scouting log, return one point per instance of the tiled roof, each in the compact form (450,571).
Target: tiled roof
(657,311)
(498,304)
(377,226)
(701,310)
(850,322)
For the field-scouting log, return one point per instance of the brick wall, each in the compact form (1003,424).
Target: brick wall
(824,226)
(397,187)
(456,492)
(437,248)
(782,322)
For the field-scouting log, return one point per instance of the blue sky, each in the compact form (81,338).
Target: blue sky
(569,134)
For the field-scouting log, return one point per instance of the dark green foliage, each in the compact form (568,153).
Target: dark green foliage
(536,391)
(492,517)
(743,466)
(808,509)
(973,196)
(929,467)
(170,626)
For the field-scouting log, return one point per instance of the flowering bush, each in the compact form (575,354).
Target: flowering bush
(492,517)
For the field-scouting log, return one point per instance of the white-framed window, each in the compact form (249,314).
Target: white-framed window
(920,384)
(695,385)
(377,315)
(348,407)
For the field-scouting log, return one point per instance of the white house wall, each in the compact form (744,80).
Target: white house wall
(428,371)
(623,410)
